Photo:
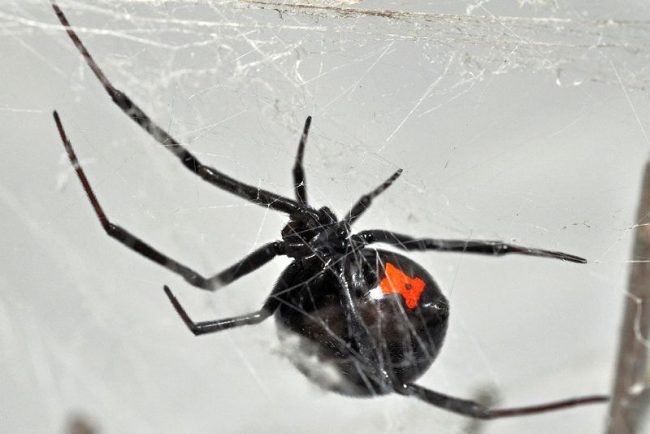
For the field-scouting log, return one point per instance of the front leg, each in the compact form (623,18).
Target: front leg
(494,248)
(299,184)
(209,174)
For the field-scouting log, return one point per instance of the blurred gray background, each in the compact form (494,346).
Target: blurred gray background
(530,129)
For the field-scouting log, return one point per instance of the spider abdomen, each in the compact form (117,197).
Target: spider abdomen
(398,301)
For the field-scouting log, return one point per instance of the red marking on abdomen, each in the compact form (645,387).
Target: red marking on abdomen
(396,282)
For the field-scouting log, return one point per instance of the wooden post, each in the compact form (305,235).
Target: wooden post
(630,397)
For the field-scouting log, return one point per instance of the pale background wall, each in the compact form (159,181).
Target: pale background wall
(530,130)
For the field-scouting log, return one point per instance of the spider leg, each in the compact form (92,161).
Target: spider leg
(268,308)
(204,327)
(251,262)
(359,333)
(476,410)
(208,174)
(495,248)
(298,171)
(364,349)
(366,200)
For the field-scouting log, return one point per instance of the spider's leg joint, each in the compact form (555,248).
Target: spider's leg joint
(199,281)
(180,311)
(502,249)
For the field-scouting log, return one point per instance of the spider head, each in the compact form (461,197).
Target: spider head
(334,241)
(305,230)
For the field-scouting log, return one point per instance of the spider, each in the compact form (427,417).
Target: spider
(375,318)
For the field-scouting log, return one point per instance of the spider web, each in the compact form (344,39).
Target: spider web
(516,120)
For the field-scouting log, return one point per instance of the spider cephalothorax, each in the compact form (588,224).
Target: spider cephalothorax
(375,318)
(311,232)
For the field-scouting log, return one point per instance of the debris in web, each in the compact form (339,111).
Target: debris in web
(573,49)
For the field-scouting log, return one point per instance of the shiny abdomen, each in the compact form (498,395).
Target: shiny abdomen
(399,303)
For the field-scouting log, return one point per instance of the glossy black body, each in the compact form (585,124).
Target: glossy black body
(310,315)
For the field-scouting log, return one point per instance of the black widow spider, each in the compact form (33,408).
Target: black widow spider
(375,316)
